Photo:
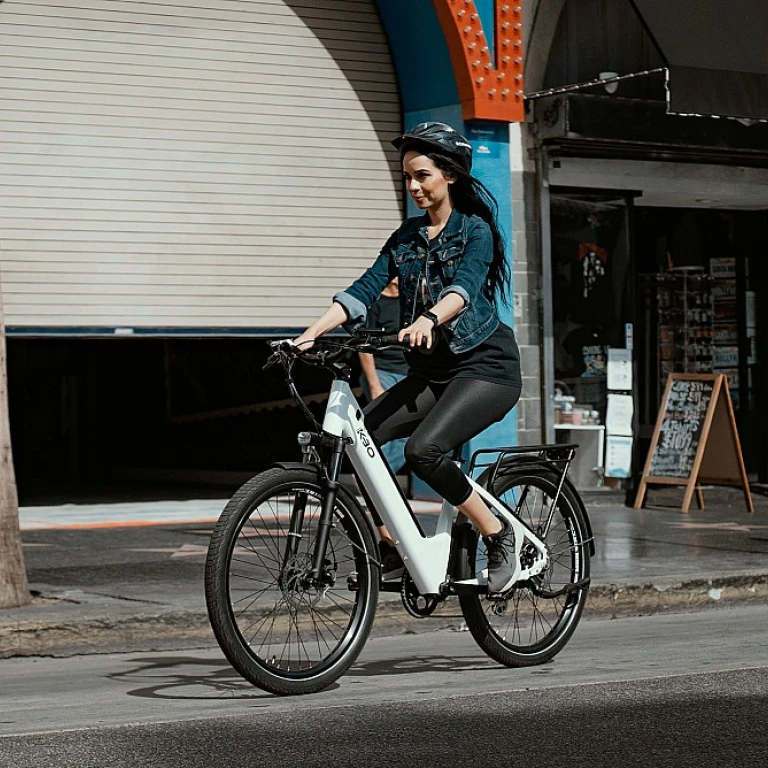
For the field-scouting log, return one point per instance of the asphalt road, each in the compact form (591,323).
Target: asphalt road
(678,690)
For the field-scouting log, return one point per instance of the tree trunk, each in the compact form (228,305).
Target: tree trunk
(14,589)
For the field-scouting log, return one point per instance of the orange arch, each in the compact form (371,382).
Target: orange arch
(487,91)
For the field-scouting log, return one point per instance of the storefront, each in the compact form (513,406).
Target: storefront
(660,261)
(647,128)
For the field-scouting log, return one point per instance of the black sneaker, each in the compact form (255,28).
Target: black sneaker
(501,559)
(392,566)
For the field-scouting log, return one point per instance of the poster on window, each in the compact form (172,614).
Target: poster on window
(724,268)
(618,456)
(620,369)
(619,414)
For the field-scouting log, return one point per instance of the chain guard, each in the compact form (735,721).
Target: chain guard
(417,605)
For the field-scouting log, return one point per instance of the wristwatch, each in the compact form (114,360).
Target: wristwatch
(431,316)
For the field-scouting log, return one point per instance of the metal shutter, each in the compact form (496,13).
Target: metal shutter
(191,165)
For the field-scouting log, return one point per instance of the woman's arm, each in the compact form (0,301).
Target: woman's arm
(368,287)
(472,272)
(420,331)
(331,319)
(368,366)
(352,304)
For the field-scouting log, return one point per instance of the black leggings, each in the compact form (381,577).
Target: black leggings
(438,418)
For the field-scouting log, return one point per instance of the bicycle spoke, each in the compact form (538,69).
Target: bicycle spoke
(255,595)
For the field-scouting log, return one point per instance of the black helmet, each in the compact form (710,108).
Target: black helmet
(441,137)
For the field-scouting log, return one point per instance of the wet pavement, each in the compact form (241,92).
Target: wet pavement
(130,576)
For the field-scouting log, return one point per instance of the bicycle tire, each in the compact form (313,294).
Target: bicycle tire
(534,628)
(280,635)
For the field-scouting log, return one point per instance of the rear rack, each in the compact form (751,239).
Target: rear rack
(559,454)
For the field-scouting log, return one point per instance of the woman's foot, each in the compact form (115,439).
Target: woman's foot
(392,566)
(501,559)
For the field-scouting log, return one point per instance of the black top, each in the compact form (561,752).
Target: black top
(497,359)
(385,313)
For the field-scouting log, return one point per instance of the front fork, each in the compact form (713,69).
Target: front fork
(316,573)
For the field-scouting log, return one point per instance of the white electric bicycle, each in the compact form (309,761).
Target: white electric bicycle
(293,576)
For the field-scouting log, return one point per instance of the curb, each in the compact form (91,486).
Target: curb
(617,600)
(62,636)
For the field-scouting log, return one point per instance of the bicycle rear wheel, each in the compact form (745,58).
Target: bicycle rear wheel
(280,631)
(530,628)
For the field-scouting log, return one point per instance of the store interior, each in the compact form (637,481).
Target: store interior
(684,289)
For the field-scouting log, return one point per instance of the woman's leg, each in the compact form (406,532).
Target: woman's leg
(393,450)
(464,409)
(394,415)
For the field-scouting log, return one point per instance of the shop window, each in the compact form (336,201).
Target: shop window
(590,278)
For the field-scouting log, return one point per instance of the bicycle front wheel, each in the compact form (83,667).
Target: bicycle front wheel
(280,630)
(531,627)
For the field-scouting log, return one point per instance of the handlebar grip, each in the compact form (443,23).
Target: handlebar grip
(285,345)
(391,340)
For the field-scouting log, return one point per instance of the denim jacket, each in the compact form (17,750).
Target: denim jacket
(456,261)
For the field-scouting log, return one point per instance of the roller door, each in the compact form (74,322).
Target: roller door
(169,166)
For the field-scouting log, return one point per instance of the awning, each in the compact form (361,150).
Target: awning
(716,53)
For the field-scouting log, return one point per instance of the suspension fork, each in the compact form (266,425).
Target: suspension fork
(326,515)
(296,524)
(294,530)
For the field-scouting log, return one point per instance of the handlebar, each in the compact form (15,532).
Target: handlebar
(377,339)
(369,339)
(326,353)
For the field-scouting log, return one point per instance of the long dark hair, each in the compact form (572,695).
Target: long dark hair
(470,196)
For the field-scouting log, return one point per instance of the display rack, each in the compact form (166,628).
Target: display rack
(726,324)
(683,325)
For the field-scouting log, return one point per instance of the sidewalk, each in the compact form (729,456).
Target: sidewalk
(121,577)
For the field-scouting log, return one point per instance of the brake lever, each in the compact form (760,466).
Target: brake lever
(272,360)
(281,348)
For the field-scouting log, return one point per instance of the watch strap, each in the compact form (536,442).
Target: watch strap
(431,316)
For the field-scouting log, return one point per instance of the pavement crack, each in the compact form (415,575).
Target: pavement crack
(128,599)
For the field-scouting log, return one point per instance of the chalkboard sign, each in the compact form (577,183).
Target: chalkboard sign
(695,440)
(685,410)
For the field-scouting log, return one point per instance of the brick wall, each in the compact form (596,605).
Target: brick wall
(527,291)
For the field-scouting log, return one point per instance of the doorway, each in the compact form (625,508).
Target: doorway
(591,313)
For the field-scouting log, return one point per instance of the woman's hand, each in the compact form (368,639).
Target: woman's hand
(420,333)
(305,341)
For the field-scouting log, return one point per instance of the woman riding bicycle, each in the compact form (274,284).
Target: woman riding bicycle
(452,270)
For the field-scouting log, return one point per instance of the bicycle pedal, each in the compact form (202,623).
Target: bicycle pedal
(500,597)
(395,575)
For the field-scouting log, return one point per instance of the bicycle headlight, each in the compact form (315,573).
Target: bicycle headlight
(304,438)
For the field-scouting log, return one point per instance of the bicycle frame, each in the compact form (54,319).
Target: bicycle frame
(425,557)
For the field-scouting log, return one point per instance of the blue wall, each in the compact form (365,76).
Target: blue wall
(491,165)
(428,92)
(420,54)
